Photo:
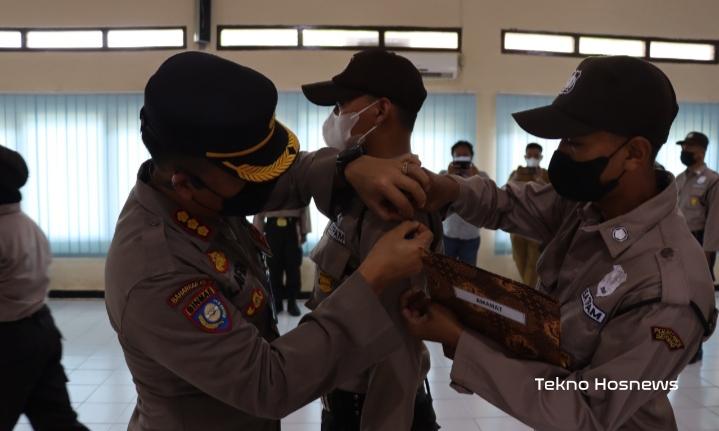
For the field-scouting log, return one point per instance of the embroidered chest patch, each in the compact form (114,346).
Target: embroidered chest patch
(325,282)
(257,300)
(668,336)
(219,261)
(207,310)
(336,234)
(591,310)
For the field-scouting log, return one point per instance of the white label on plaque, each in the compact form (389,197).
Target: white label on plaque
(495,307)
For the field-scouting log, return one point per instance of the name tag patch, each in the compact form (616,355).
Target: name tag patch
(591,310)
(336,233)
(493,306)
(208,311)
(668,336)
(179,295)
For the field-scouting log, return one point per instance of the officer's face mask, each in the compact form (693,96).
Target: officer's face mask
(337,128)
(688,158)
(250,200)
(579,181)
(532,162)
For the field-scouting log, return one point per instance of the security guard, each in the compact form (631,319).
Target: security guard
(33,379)
(286,231)
(525,252)
(376,99)
(186,283)
(635,293)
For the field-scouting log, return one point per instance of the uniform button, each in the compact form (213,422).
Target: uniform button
(667,253)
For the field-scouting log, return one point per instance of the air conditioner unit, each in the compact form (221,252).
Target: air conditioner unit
(439,65)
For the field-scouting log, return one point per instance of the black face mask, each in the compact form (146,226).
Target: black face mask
(579,181)
(251,200)
(687,158)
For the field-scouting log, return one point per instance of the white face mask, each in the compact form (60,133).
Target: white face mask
(532,163)
(337,129)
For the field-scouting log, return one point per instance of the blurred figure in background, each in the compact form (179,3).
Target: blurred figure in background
(525,251)
(461,239)
(33,379)
(286,231)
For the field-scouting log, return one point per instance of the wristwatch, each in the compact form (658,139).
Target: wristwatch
(348,156)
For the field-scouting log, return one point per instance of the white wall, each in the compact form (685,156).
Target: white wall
(486,72)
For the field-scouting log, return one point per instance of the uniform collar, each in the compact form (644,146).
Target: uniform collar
(9,208)
(201,231)
(697,172)
(621,232)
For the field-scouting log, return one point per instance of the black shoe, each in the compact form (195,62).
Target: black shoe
(698,356)
(293,309)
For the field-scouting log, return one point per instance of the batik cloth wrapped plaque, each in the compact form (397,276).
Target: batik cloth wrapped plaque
(523,320)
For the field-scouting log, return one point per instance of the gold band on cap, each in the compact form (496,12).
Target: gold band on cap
(260,174)
(249,150)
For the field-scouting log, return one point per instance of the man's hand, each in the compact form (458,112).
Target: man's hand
(434,323)
(385,188)
(442,191)
(396,255)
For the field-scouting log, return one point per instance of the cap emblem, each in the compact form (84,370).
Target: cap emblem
(571,82)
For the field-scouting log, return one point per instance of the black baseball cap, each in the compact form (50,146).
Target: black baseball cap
(376,72)
(13,170)
(205,106)
(696,138)
(617,94)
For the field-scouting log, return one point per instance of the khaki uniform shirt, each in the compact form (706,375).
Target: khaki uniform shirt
(190,302)
(24,261)
(625,287)
(699,202)
(391,385)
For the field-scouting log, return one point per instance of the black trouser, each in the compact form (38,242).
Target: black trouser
(699,235)
(32,380)
(343,411)
(286,257)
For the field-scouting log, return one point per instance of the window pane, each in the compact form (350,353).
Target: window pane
(682,51)
(610,46)
(174,37)
(67,39)
(538,42)
(422,39)
(339,38)
(259,37)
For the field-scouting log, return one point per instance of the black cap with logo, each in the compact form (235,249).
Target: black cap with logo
(695,138)
(201,105)
(374,72)
(622,95)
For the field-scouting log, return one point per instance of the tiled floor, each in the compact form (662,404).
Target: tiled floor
(102,392)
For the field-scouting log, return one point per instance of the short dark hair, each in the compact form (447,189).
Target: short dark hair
(406,118)
(463,143)
(534,145)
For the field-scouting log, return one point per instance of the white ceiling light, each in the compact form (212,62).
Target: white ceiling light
(10,39)
(64,39)
(589,45)
(538,42)
(339,38)
(422,39)
(146,38)
(682,51)
(281,37)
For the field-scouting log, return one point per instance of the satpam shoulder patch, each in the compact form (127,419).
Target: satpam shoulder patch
(208,311)
(668,336)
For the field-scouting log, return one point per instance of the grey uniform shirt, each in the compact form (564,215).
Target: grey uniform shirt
(699,202)
(625,287)
(189,300)
(391,385)
(24,261)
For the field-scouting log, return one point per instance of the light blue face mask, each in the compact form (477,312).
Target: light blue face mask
(337,128)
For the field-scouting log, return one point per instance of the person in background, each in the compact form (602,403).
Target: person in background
(33,379)
(698,200)
(461,239)
(525,251)
(286,231)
